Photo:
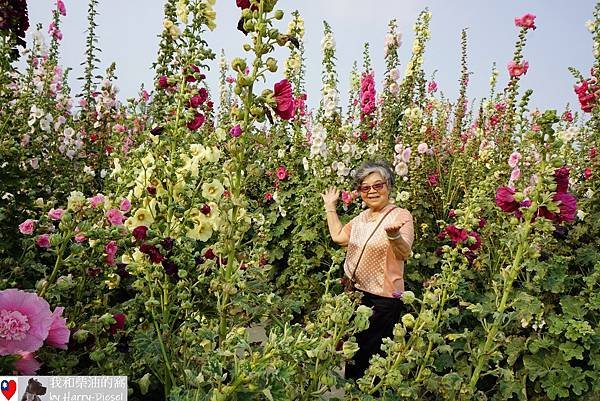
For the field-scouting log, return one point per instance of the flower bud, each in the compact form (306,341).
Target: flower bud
(278,14)
(238,64)
(272,64)
(408,297)
(247,47)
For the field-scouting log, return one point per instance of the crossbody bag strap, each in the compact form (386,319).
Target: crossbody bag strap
(367,241)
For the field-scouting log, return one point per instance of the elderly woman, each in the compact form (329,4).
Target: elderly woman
(379,240)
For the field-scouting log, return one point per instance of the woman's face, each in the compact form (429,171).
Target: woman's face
(375,198)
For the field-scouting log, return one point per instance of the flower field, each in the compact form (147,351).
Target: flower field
(151,237)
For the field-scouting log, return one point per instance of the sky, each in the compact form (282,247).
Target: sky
(128,35)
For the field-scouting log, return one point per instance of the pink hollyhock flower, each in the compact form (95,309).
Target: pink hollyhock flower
(125,205)
(406,155)
(516,70)
(27,226)
(422,148)
(505,199)
(196,122)
(347,197)
(268,197)
(96,200)
(111,250)
(285,101)
(145,95)
(515,174)
(25,320)
(58,335)
(567,206)
(236,131)
(60,6)
(561,177)
(527,21)
(27,365)
(43,241)
(115,217)
(300,104)
(432,180)
(119,324)
(139,233)
(79,238)
(514,159)
(282,173)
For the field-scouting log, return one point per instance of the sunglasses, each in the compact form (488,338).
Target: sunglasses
(366,188)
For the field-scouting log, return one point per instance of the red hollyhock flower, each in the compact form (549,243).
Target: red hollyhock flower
(196,122)
(456,234)
(285,101)
(243,4)
(139,233)
(152,252)
(477,244)
(163,82)
(505,199)
(205,209)
(561,177)
(587,173)
(119,324)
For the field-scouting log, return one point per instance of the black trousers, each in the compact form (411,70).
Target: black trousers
(386,313)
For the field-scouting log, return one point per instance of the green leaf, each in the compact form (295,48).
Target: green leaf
(571,306)
(571,350)
(555,387)
(514,347)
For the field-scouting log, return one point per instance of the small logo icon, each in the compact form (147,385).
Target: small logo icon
(9,388)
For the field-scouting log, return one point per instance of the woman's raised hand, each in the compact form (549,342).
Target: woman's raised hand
(330,197)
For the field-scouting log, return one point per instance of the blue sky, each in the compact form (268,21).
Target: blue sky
(128,30)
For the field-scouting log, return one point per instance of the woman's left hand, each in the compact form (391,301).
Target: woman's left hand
(393,230)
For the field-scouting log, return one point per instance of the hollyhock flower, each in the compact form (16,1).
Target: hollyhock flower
(27,364)
(209,254)
(115,217)
(401,169)
(58,335)
(561,177)
(567,206)
(43,241)
(268,197)
(281,173)
(236,131)
(567,116)
(367,94)
(163,82)
(125,205)
(152,252)
(527,21)
(432,180)
(243,4)
(111,251)
(422,148)
(456,234)
(347,197)
(514,159)
(171,268)
(25,320)
(592,153)
(119,323)
(196,122)
(477,244)
(516,70)
(194,70)
(432,87)
(167,244)
(96,200)
(139,233)
(27,226)
(587,173)
(406,155)
(285,101)
(505,199)
(56,214)
(79,238)
(212,190)
(142,217)
(515,174)
(60,6)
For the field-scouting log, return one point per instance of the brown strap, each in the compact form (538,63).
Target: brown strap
(367,241)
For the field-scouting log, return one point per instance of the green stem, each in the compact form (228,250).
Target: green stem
(59,259)
(171,378)
(508,284)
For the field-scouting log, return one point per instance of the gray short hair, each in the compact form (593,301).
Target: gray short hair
(370,167)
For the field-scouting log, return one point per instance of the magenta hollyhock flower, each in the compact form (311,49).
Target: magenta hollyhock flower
(96,200)
(456,234)
(567,207)
(505,199)
(516,70)
(432,87)
(545,213)
(561,177)
(567,116)
(587,173)
(268,197)
(477,244)
(282,173)
(115,217)
(125,205)
(60,6)
(139,233)
(196,122)
(27,226)
(347,197)
(432,179)
(27,364)
(236,131)
(58,335)
(43,241)
(56,214)
(25,320)
(163,82)
(367,94)
(527,21)
(199,99)
(285,101)
(119,324)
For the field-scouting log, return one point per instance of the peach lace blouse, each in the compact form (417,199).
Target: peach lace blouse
(379,272)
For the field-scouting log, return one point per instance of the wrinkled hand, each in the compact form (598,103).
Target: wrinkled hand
(330,197)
